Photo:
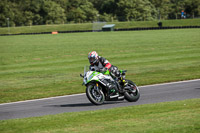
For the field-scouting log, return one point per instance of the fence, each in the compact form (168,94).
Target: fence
(125,29)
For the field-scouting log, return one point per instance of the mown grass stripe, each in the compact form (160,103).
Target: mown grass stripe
(41,66)
(179,116)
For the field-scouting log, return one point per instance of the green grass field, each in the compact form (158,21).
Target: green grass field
(167,117)
(88,26)
(37,66)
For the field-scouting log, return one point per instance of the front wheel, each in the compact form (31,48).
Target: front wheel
(94,94)
(132,95)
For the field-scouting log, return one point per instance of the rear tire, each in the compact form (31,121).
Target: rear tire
(94,96)
(132,96)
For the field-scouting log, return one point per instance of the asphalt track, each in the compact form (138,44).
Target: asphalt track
(75,103)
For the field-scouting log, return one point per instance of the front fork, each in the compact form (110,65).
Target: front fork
(99,95)
(97,88)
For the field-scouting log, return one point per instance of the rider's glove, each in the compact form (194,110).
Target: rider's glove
(104,69)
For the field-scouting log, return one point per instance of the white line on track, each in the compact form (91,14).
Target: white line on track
(178,82)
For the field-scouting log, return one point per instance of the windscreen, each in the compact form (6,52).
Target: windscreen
(86,68)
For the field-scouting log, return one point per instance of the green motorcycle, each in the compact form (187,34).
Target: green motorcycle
(102,86)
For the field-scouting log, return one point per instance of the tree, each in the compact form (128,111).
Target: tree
(8,12)
(89,11)
(97,4)
(81,11)
(136,10)
(177,7)
(163,7)
(109,7)
(28,12)
(36,9)
(53,13)
(192,7)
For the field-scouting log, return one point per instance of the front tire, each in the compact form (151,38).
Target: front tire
(96,97)
(130,95)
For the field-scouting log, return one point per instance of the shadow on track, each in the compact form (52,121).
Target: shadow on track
(84,104)
(76,105)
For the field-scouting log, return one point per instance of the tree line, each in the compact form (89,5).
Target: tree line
(37,12)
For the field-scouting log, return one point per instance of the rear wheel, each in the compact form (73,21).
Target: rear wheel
(132,94)
(96,96)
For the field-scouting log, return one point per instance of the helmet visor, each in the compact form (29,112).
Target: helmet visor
(92,59)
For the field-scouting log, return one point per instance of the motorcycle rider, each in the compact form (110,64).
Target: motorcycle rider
(101,64)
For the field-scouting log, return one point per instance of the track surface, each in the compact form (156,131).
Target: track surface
(75,103)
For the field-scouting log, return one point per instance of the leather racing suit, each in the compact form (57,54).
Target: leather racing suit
(103,64)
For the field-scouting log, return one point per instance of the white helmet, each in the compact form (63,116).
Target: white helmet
(93,57)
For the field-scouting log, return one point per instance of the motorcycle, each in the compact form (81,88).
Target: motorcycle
(102,86)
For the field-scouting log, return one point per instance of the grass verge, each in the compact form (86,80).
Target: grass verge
(177,117)
(38,66)
(89,26)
